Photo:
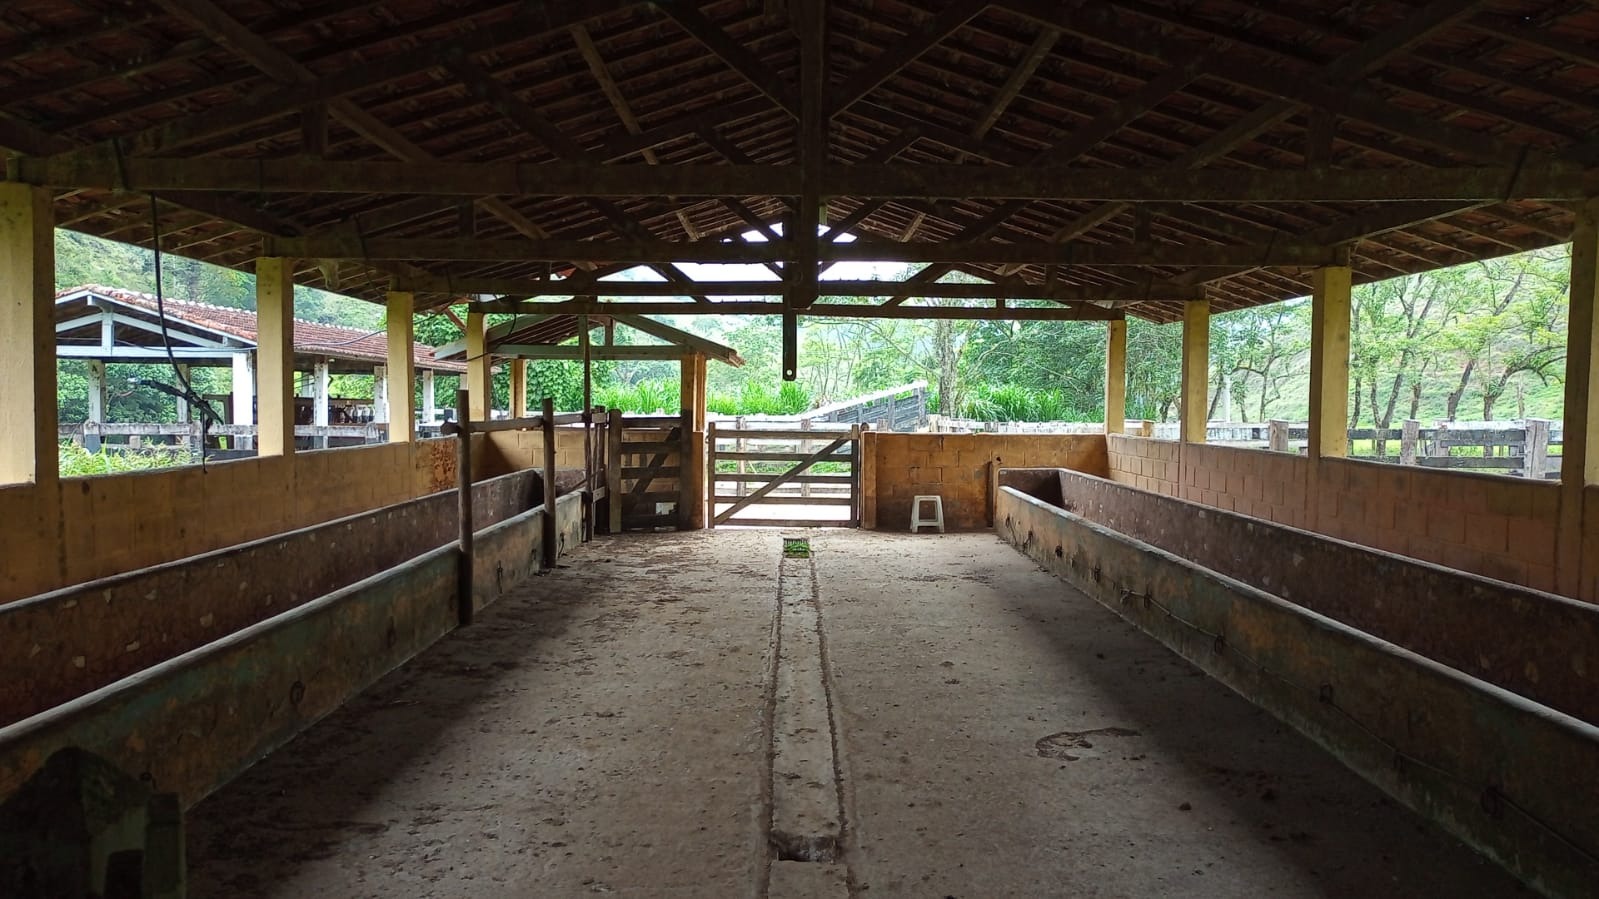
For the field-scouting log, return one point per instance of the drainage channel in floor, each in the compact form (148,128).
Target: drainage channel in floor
(807,823)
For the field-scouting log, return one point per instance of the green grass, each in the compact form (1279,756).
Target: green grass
(796,548)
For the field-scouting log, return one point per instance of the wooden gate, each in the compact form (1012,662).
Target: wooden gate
(805,477)
(651,471)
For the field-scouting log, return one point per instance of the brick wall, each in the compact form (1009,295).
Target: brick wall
(958,468)
(1499,527)
(1146,464)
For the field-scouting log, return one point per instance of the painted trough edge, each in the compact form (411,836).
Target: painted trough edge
(1510,777)
(194,722)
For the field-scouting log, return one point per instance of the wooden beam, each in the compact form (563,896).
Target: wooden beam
(350,246)
(1075,312)
(1019,76)
(1537,180)
(734,54)
(1146,291)
(575,353)
(904,52)
(261,54)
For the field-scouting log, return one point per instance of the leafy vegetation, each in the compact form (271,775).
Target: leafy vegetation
(79,462)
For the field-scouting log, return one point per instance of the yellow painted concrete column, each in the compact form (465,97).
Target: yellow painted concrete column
(28,452)
(478,384)
(519,388)
(1194,405)
(1329,362)
(1116,377)
(401,366)
(274,357)
(1579,464)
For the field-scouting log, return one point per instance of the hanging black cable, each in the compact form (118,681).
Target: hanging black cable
(189,394)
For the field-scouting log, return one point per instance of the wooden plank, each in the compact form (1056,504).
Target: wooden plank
(613,470)
(776,434)
(668,471)
(785,522)
(649,447)
(776,500)
(1548,181)
(781,457)
(754,478)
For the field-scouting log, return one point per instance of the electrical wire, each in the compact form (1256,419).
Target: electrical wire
(190,395)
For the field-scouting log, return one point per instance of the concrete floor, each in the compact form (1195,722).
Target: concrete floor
(605,730)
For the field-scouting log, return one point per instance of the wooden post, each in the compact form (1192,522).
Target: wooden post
(478,384)
(97,398)
(519,388)
(806,447)
(687,473)
(1193,407)
(710,474)
(855,485)
(274,360)
(463,504)
(613,471)
(552,544)
(868,478)
(1116,377)
(588,402)
(29,451)
(1329,362)
(401,385)
(1535,463)
(1579,463)
(738,447)
(1409,437)
(1277,436)
(685,386)
(185,414)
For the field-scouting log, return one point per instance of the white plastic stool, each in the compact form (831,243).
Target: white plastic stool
(918,522)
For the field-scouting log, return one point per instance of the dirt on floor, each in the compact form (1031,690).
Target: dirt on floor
(605,729)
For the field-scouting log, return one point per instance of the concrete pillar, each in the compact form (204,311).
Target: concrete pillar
(185,377)
(28,451)
(274,360)
(1193,405)
(1329,363)
(478,384)
(321,385)
(402,366)
(519,388)
(244,395)
(380,393)
(1579,465)
(430,402)
(1116,377)
(97,398)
